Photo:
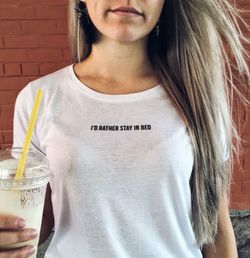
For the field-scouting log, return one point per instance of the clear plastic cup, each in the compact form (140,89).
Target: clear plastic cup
(24,198)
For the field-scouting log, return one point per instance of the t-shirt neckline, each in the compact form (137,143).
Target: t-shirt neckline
(154,91)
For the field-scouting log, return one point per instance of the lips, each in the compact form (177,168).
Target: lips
(126,9)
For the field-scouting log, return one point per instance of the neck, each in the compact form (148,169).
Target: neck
(118,61)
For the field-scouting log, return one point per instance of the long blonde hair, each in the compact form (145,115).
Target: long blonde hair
(191,55)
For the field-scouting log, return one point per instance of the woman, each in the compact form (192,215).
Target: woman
(138,132)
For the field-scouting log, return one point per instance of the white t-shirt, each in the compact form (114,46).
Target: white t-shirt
(121,165)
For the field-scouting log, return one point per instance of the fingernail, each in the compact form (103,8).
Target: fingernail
(30,250)
(20,223)
(32,233)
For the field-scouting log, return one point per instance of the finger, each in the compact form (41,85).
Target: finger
(23,252)
(12,237)
(9,222)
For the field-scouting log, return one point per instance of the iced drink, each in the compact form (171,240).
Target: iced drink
(24,198)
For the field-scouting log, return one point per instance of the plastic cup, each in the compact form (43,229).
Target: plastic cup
(24,198)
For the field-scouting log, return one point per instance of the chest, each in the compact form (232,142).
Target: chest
(130,144)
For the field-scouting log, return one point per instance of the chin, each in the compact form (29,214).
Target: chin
(124,37)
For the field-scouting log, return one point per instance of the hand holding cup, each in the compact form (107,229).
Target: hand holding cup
(13,231)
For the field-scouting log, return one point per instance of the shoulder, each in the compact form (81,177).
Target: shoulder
(49,83)
(54,79)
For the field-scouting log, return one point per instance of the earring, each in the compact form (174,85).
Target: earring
(157,29)
(82,11)
(85,24)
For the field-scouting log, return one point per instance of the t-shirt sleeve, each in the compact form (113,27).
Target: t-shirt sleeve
(22,112)
(225,152)
(225,149)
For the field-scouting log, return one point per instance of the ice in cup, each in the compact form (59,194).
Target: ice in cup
(24,198)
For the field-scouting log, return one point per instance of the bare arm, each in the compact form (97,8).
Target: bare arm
(48,217)
(225,243)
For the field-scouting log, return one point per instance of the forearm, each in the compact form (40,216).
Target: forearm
(225,245)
